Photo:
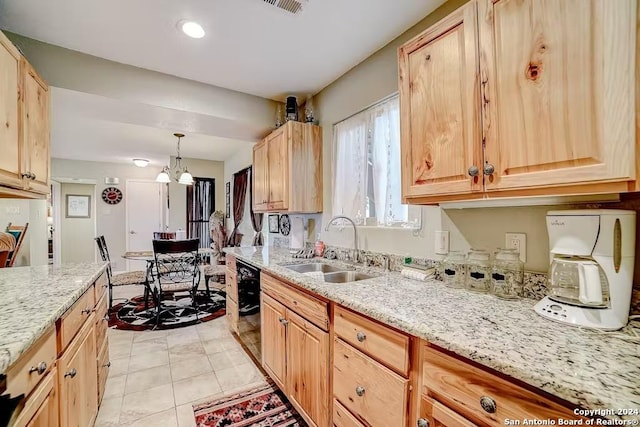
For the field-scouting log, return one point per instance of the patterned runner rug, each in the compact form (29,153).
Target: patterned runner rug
(132,315)
(264,406)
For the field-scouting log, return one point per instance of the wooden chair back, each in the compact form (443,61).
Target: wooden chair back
(164,235)
(18,231)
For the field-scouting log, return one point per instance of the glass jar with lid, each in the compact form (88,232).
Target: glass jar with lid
(507,274)
(478,272)
(453,269)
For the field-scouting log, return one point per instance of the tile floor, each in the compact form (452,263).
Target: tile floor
(156,376)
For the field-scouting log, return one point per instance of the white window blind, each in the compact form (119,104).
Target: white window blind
(366,179)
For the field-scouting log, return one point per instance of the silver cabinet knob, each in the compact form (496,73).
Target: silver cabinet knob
(284,321)
(106,318)
(360,390)
(488,404)
(72,373)
(488,169)
(361,336)
(423,422)
(473,170)
(107,365)
(40,368)
(33,176)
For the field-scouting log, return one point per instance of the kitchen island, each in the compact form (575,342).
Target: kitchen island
(588,369)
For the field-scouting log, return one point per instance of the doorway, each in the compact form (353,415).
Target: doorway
(143,217)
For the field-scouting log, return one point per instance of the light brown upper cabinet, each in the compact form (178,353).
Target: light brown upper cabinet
(287,170)
(544,105)
(24,126)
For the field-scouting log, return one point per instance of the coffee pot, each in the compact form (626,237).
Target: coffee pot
(591,270)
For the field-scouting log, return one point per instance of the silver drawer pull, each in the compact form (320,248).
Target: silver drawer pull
(361,336)
(360,390)
(488,404)
(40,368)
(107,365)
(72,373)
(88,310)
(284,321)
(423,422)
(106,318)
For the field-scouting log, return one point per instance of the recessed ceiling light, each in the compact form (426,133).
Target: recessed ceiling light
(192,29)
(141,163)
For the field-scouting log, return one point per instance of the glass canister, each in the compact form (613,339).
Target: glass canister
(478,272)
(507,274)
(453,269)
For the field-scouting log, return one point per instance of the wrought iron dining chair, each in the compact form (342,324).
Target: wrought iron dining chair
(164,235)
(138,277)
(177,270)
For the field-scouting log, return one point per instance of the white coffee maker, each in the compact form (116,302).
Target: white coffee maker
(591,273)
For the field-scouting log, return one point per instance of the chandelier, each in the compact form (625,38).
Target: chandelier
(180,174)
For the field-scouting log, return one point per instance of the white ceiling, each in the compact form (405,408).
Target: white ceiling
(95,128)
(250,46)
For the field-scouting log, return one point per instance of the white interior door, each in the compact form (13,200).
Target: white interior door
(144,217)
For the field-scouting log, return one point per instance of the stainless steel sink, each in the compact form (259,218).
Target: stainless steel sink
(313,267)
(346,276)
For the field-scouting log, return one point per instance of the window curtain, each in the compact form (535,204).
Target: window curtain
(240,182)
(385,140)
(350,154)
(256,218)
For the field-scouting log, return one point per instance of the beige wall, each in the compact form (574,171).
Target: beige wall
(77,234)
(34,249)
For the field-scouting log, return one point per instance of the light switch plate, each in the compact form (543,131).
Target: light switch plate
(441,242)
(517,241)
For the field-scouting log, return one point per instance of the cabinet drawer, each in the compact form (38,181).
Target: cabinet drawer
(231,284)
(389,347)
(101,321)
(439,415)
(312,309)
(100,287)
(342,417)
(41,408)
(462,387)
(368,389)
(23,376)
(230,262)
(232,315)
(71,321)
(103,368)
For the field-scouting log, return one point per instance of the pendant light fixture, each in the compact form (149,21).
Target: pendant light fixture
(180,174)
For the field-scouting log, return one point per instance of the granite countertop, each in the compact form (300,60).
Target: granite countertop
(591,369)
(33,298)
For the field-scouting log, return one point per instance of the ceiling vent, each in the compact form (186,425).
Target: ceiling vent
(291,6)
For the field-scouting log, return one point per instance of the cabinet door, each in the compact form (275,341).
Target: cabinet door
(439,415)
(439,102)
(10,108)
(558,87)
(36,129)
(41,408)
(308,368)
(278,155)
(260,177)
(273,337)
(78,376)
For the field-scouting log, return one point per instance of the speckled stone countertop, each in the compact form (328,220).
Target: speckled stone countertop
(592,369)
(33,298)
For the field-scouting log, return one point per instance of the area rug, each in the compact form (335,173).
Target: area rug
(131,315)
(259,407)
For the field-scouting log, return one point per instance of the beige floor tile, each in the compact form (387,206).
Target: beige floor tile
(195,388)
(181,352)
(119,349)
(115,386)
(119,366)
(149,346)
(186,337)
(148,335)
(120,336)
(228,359)
(214,333)
(185,415)
(109,412)
(144,403)
(161,419)
(221,345)
(149,360)
(239,376)
(190,367)
(148,378)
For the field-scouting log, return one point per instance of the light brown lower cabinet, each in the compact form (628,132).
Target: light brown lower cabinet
(77,379)
(273,339)
(434,414)
(41,409)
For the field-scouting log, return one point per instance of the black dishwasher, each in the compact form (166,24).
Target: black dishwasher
(249,307)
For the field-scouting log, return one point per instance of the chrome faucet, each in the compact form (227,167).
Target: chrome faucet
(355,232)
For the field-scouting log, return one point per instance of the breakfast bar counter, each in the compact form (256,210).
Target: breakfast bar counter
(591,369)
(33,298)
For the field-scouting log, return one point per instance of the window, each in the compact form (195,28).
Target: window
(366,179)
(200,206)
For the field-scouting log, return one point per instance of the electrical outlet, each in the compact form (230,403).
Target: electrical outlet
(442,242)
(517,241)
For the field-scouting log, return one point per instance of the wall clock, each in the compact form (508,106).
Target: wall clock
(112,195)
(285,225)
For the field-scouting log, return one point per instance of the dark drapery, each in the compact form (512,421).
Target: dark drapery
(256,218)
(240,182)
(200,205)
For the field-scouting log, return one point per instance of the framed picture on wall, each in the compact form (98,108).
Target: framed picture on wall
(274,223)
(78,206)
(228,199)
